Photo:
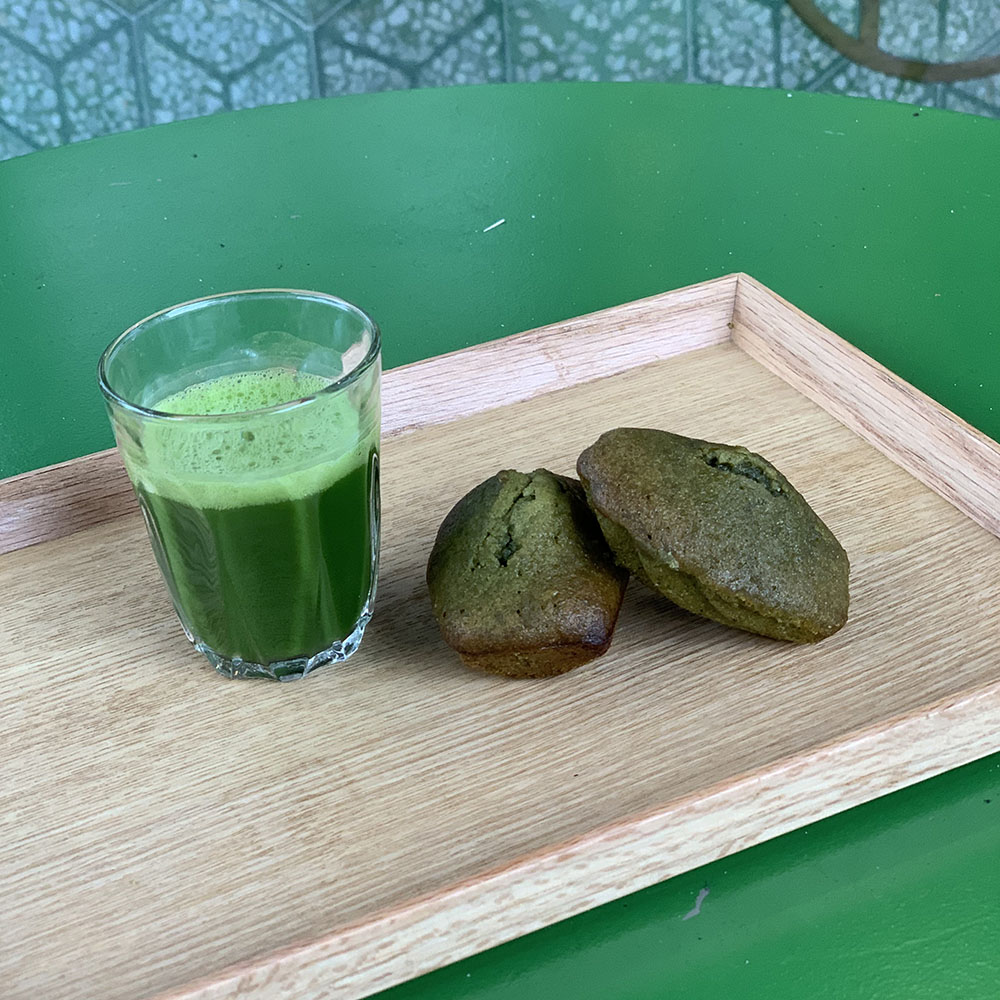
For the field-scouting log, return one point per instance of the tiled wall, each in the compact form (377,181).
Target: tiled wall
(72,69)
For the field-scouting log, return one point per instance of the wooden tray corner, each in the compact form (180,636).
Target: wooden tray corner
(167,833)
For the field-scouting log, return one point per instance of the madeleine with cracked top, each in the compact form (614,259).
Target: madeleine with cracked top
(528,571)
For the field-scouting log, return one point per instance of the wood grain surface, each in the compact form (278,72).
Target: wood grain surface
(167,833)
(946,453)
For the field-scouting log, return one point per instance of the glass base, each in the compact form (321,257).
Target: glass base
(285,670)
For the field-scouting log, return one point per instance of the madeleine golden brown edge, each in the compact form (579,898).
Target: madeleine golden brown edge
(521,580)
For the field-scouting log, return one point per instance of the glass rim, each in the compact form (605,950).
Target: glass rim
(298,293)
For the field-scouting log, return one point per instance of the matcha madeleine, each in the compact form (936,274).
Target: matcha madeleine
(521,580)
(719,531)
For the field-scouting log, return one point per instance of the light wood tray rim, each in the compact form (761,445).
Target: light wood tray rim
(946,454)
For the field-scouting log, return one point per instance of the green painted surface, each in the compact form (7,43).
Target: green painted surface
(882,222)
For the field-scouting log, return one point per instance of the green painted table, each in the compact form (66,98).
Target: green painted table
(881,220)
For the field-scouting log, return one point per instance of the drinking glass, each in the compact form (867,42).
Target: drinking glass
(249,425)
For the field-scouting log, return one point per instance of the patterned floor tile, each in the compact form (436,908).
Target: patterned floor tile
(621,40)
(135,6)
(314,11)
(306,12)
(177,88)
(804,57)
(909,29)
(986,91)
(343,71)
(54,27)
(284,78)
(99,92)
(67,70)
(405,30)
(859,81)
(225,34)
(477,57)
(11,144)
(843,13)
(736,43)
(971,27)
(28,101)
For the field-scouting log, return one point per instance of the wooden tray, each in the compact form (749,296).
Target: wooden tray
(165,832)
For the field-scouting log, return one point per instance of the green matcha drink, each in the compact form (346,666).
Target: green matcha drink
(263,564)
(248,423)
